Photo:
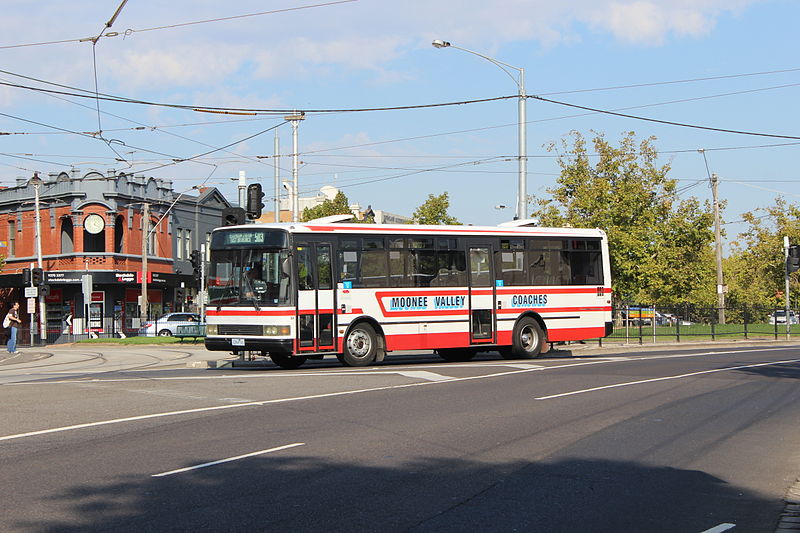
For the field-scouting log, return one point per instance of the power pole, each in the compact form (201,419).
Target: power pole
(277,178)
(786,288)
(145,238)
(295,120)
(37,182)
(718,241)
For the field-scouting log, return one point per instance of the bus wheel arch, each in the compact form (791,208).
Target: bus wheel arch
(364,343)
(528,338)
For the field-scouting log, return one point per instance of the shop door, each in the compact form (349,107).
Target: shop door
(316,317)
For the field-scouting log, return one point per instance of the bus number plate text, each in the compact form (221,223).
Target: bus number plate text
(237,342)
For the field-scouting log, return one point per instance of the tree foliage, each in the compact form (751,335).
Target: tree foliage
(754,269)
(653,235)
(434,211)
(338,206)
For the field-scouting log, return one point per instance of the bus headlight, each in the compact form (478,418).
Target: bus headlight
(211,329)
(275,331)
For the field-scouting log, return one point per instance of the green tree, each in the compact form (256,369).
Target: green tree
(434,211)
(659,246)
(754,268)
(338,206)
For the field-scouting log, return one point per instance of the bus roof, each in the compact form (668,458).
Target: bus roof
(339,228)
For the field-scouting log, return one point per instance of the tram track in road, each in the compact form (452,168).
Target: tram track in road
(94,363)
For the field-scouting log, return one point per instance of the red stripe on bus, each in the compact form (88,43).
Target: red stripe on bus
(518,310)
(248,312)
(333,229)
(548,290)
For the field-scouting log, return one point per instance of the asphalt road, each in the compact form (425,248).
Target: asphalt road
(105,438)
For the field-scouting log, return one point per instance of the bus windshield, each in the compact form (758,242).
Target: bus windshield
(252,277)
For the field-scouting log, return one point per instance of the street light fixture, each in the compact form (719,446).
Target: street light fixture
(523,156)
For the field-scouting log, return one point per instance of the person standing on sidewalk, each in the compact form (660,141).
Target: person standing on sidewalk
(12,321)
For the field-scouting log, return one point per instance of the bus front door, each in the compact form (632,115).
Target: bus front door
(315,301)
(481,295)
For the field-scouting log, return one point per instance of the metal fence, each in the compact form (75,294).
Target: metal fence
(682,323)
(111,329)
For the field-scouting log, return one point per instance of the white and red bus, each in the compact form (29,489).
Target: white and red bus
(357,291)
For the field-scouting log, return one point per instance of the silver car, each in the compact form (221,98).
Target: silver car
(167,325)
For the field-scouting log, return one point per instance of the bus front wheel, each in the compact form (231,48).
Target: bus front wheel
(527,341)
(360,346)
(288,362)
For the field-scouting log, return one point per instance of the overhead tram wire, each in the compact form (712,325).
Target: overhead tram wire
(130,31)
(253,159)
(665,122)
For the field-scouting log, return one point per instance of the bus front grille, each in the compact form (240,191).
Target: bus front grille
(239,329)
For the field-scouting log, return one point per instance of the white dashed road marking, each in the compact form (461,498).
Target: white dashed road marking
(229,459)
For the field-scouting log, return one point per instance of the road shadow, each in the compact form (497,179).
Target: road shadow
(304,493)
(781,371)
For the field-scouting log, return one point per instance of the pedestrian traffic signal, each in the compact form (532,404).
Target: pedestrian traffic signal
(26,277)
(37,277)
(254,201)
(793,261)
(232,216)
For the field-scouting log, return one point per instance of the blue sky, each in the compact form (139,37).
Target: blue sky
(367,53)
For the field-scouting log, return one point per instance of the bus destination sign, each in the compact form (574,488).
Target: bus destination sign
(244,237)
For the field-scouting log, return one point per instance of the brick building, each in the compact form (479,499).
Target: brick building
(92,224)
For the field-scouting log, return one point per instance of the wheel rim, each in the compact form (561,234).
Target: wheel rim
(359,344)
(528,338)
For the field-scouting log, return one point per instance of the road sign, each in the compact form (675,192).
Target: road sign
(31,306)
(31,292)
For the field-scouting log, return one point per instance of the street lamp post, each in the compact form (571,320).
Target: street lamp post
(522,200)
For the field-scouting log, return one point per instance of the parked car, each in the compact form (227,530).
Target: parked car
(779,317)
(167,325)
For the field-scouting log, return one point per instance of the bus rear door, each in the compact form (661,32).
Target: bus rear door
(482,295)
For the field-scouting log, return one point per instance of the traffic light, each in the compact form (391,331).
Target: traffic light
(793,261)
(197,263)
(254,201)
(37,277)
(180,294)
(232,216)
(26,277)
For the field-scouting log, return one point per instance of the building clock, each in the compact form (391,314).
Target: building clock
(94,224)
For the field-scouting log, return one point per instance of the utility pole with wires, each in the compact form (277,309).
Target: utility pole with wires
(145,239)
(721,288)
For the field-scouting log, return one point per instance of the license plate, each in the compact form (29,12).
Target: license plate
(237,342)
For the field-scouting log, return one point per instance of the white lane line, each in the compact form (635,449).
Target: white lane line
(393,370)
(228,460)
(291,399)
(424,374)
(665,378)
(720,528)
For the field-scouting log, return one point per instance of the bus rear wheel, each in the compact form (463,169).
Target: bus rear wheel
(527,340)
(456,355)
(360,346)
(288,362)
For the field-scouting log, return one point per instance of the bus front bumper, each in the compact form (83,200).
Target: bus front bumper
(240,344)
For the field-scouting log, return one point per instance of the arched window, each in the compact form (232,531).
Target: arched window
(119,225)
(67,238)
(94,233)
